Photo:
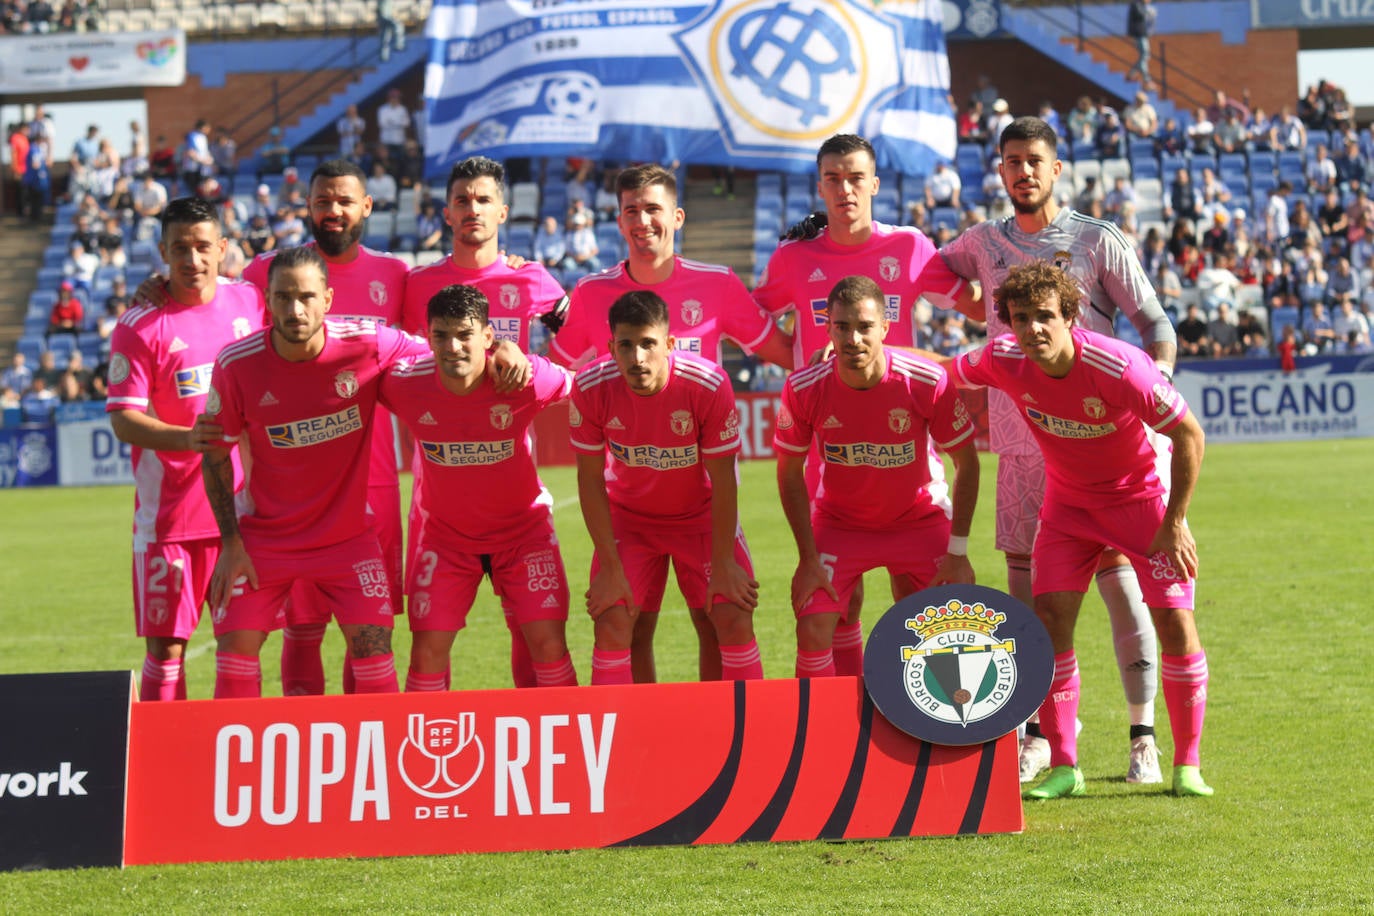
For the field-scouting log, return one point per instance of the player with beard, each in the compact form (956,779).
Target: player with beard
(1103,264)
(517,296)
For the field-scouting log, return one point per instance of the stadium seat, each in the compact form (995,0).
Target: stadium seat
(1083,169)
(520,239)
(524,201)
(1292,168)
(1263,181)
(1282,316)
(1084,150)
(1169,164)
(1126,332)
(1113,169)
(768,183)
(61,346)
(1231,165)
(1144,167)
(1238,185)
(968,155)
(944,217)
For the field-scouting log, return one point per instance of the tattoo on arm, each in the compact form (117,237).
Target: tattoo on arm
(217,469)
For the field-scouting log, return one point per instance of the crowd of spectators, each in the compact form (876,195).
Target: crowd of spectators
(40,17)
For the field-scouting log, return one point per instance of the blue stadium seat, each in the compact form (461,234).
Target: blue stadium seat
(768,182)
(970,154)
(1144,167)
(1126,332)
(1263,181)
(35,324)
(1230,165)
(1170,163)
(1292,168)
(61,346)
(1140,149)
(31,345)
(1238,185)
(942,217)
(1084,149)
(1318,137)
(799,183)
(520,240)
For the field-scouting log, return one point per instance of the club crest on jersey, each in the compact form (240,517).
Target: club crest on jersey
(376,291)
(899,420)
(692,312)
(346,384)
(119,369)
(242,328)
(420,605)
(509,296)
(501,416)
(888,268)
(1094,408)
(681,422)
(212,402)
(1063,260)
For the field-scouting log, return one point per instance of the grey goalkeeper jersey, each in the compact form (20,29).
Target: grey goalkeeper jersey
(1094,253)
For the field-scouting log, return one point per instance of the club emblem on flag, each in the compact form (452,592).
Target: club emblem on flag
(346,384)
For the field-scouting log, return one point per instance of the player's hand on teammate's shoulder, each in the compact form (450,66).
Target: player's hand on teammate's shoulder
(153,291)
(515,261)
(822,354)
(809,227)
(510,366)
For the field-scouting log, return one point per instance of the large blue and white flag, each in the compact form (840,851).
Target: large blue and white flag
(752,83)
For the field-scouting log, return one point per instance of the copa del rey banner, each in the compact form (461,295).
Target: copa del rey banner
(557,768)
(753,83)
(72,61)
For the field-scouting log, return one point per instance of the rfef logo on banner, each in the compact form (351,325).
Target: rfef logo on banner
(958,664)
(62,766)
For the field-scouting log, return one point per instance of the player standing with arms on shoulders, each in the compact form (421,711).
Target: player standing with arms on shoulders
(1098,257)
(299,523)
(870,412)
(485,509)
(516,296)
(706,304)
(160,365)
(668,422)
(1090,401)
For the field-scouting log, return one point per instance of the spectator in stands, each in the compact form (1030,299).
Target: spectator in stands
(390,29)
(1318,332)
(577,208)
(1303,232)
(917,215)
(1287,348)
(1216,197)
(431,229)
(42,17)
(1200,133)
(36,180)
(81,174)
(196,160)
(1287,131)
(66,315)
(1051,117)
(583,251)
(210,190)
(942,187)
(110,244)
(1339,113)
(18,376)
(1217,239)
(75,384)
(972,123)
(1348,320)
(1352,171)
(150,199)
(1221,104)
(381,187)
(19,154)
(1140,25)
(259,236)
(1168,287)
(1332,221)
(1312,109)
(120,202)
(1183,201)
(1152,251)
(1083,120)
(225,152)
(1276,225)
(350,127)
(9,398)
(288,228)
(162,161)
(47,371)
(1230,135)
(947,335)
(1342,288)
(262,204)
(1321,171)
(411,168)
(999,119)
(1253,339)
(550,248)
(275,154)
(1140,118)
(1218,284)
(985,93)
(1089,200)
(233,217)
(1223,333)
(136,160)
(38,402)
(1121,195)
(1170,138)
(393,120)
(80,265)
(116,304)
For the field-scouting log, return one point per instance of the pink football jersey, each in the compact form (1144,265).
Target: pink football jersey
(873,441)
(161,361)
(514,297)
(706,303)
(901,260)
(371,286)
(300,427)
(657,443)
(479,489)
(1091,423)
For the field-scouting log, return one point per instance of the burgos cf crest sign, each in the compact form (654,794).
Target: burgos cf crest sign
(782,72)
(958,664)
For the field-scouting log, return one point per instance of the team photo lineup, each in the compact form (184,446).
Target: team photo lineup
(263,412)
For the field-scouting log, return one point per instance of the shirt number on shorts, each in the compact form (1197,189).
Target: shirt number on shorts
(158,568)
(428,560)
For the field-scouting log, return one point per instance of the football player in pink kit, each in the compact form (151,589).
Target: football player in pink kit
(299,397)
(160,365)
(706,304)
(367,285)
(1088,399)
(901,261)
(484,509)
(668,422)
(871,412)
(516,296)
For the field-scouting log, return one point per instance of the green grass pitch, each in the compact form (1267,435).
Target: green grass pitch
(1286,535)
